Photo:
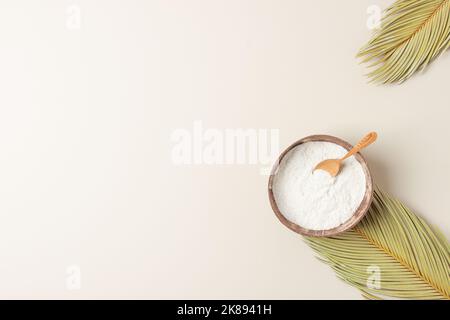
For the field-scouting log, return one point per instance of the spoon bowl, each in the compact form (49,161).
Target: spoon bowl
(333,166)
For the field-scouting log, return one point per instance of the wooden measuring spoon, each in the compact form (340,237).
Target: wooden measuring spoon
(332,166)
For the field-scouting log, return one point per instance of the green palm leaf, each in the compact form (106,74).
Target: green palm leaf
(412,34)
(412,259)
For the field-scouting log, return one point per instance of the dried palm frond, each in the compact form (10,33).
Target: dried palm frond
(390,253)
(412,34)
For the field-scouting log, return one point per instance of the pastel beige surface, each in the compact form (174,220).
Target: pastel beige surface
(86,117)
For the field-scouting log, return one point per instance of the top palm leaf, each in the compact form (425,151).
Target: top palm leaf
(412,33)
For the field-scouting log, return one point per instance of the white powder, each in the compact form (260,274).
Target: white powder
(316,200)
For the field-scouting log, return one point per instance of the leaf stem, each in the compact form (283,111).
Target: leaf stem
(402,262)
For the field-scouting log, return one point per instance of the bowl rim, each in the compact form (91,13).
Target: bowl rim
(357,215)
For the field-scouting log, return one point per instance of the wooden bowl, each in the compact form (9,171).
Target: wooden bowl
(354,219)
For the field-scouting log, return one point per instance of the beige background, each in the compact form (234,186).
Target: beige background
(86,176)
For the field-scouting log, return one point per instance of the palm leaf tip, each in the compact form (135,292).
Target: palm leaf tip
(412,34)
(409,259)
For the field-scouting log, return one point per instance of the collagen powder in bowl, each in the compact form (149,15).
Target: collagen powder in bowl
(313,202)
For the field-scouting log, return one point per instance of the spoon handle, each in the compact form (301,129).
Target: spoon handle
(364,142)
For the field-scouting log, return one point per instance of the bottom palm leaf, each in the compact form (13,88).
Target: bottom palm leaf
(390,253)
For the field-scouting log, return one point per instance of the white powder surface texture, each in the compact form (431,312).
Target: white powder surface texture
(314,199)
